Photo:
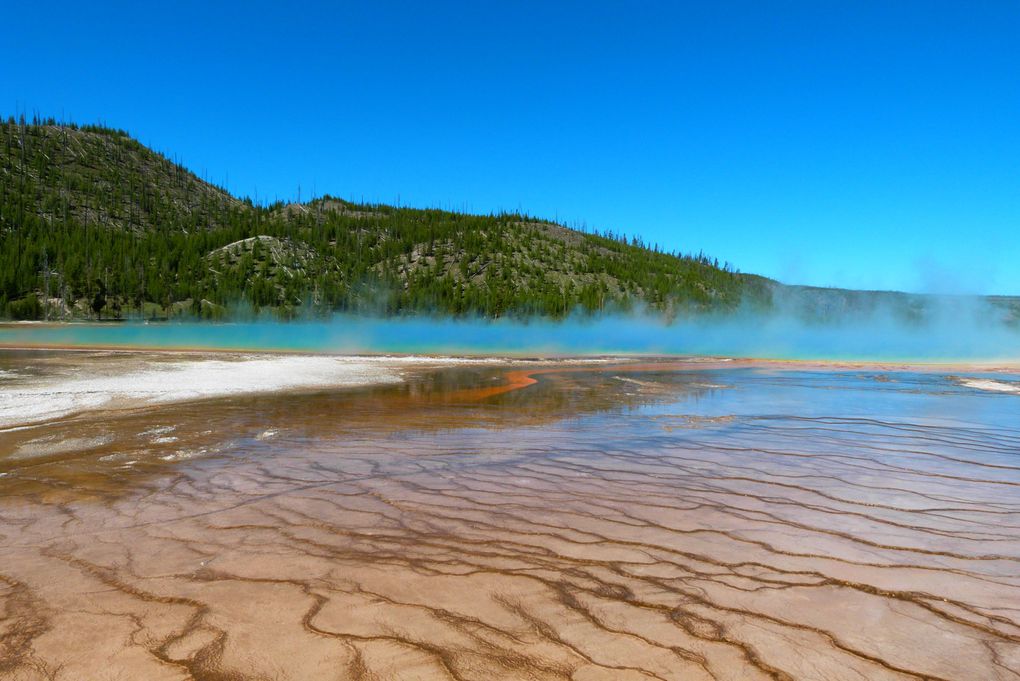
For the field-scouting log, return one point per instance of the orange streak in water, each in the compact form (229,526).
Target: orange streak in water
(522,378)
(515,380)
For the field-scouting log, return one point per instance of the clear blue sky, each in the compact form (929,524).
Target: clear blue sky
(864,144)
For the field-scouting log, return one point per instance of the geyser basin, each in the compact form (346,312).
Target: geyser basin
(614,521)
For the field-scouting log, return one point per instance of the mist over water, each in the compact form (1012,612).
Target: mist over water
(949,329)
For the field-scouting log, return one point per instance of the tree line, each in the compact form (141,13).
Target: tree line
(94,224)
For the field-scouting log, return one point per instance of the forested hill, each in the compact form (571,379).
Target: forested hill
(93,223)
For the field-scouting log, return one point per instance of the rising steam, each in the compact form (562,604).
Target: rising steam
(942,329)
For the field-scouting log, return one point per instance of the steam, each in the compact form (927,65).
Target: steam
(798,326)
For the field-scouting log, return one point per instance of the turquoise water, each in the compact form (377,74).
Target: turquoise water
(737,337)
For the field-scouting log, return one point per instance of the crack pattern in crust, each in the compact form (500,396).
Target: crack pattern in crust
(703,535)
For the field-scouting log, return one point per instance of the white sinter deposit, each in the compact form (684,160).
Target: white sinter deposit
(993,386)
(115,384)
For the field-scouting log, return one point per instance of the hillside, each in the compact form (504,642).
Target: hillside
(95,225)
(92,223)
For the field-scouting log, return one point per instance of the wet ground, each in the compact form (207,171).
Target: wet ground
(608,520)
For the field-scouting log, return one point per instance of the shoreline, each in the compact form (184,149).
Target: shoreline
(661,360)
(97,381)
(153,376)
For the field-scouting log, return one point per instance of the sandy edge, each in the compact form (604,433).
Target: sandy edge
(663,361)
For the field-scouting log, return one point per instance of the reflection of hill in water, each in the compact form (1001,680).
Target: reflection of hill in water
(115,452)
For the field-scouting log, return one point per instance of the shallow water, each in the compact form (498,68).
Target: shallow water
(653,520)
(962,334)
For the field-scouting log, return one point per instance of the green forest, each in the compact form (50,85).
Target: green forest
(95,225)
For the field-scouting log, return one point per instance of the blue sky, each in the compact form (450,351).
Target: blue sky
(861,144)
